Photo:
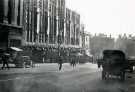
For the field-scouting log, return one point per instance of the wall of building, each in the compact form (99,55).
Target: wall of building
(42,21)
(31,24)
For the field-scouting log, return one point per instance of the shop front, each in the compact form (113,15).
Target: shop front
(10,36)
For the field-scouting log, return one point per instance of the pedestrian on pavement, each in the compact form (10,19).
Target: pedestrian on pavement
(60,62)
(5,60)
(73,62)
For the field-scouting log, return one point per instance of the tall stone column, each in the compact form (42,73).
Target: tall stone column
(38,20)
(13,12)
(21,12)
(48,30)
(6,2)
(16,11)
(65,26)
(57,19)
(38,17)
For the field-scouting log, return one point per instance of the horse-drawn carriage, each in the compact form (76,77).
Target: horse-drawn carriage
(114,63)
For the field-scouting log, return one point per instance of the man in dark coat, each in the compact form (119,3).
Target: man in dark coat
(5,60)
(60,62)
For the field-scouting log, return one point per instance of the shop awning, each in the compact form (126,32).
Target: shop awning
(15,49)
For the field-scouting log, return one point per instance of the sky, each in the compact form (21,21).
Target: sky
(106,16)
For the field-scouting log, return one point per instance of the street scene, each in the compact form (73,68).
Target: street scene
(67,46)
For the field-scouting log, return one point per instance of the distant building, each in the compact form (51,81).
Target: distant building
(85,40)
(126,44)
(100,42)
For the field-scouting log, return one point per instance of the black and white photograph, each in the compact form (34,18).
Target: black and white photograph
(67,45)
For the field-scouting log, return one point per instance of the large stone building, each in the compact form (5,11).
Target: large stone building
(38,25)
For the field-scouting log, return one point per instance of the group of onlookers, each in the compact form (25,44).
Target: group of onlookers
(6,58)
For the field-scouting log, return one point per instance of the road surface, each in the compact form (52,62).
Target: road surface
(47,78)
